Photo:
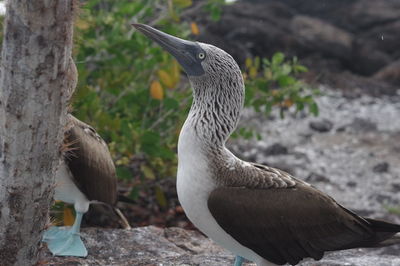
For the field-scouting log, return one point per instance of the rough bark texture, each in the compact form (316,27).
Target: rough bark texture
(37,79)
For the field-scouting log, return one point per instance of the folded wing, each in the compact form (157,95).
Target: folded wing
(287,225)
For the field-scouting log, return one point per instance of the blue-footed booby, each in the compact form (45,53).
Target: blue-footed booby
(86,175)
(257,212)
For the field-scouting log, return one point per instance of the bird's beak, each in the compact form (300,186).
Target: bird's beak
(184,51)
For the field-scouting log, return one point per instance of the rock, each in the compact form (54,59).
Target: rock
(396,187)
(178,247)
(355,85)
(390,73)
(364,14)
(383,37)
(145,246)
(330,37)
(323,125)
(316,34)
(381,167)
(366,59)
(275,149)
(384,199)
(351,184)
(363,125)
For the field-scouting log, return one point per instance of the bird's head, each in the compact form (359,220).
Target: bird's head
(217,83)
(206,65)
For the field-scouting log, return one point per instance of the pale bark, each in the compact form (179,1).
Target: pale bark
(37,79)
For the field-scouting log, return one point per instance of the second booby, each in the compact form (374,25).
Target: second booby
(258,212)
(86,175)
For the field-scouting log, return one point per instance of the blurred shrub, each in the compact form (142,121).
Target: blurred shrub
(274,83)
(131,91)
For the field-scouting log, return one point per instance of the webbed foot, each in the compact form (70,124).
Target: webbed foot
(238,261)
(66,241)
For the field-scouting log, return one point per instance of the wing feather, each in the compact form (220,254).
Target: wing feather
(90,162)
(287,225)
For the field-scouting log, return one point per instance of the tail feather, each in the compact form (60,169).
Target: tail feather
(386,233)
(382,226)
(394,240)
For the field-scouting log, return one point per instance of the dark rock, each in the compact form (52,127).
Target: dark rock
(381,167)
(275,149)
(323,125)
(341,129)
(316,34)
(351,184)
(247,29)
(396,187)
(390,73)
(331,37)
(384,199)
(314,177)
(363,125)
(383,37)
(331,11)
(365,14)
(366,59)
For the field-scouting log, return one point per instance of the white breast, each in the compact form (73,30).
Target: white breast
(194,185)
(67,191)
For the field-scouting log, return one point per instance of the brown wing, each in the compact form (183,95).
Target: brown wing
(287,225)
(90,162)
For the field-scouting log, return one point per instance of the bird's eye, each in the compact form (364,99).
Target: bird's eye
(201,55)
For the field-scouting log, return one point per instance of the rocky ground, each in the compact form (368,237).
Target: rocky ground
(148,246)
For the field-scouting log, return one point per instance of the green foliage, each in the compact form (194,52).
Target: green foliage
(214,7)
(272,83)
(116,91)
(131,91)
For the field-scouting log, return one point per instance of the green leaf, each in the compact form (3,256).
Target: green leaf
(286,69)
(150,141)
(299,106)
(257,62)
(314,108)
(166,153)
(285,81)
(278,58)
(123,172)
(171,103)
(182,3)
(300,68)
(134,194)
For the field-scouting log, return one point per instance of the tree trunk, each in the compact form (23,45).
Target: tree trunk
(37,79)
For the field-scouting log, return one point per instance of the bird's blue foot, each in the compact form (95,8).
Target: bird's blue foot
(238,261)
(66,241)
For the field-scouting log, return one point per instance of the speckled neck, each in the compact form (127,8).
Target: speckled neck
(218,99)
